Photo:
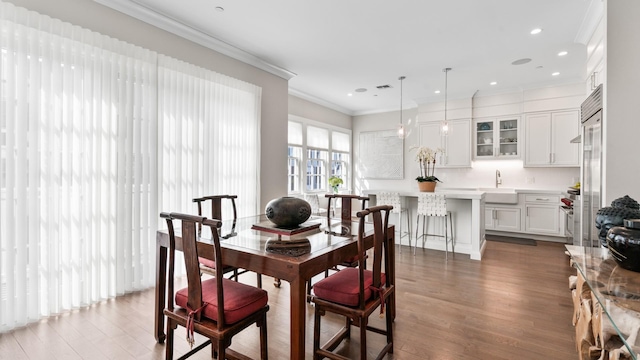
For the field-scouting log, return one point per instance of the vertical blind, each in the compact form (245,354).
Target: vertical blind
(85,147)
(209,134)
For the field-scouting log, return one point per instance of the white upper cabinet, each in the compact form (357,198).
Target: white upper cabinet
(548,139)
(457,144)
(496,138)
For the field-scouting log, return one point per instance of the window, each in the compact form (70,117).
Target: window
(316,170)
(295,158)
(320,151)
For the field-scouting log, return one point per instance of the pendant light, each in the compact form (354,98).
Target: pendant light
(401,130)
(444,127)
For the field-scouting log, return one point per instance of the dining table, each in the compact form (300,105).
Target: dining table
(295,256)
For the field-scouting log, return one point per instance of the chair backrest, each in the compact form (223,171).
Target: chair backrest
(216,205)
(389,198)
(314,201)
(431,204)
(346,204)
(379,216)
(190,247)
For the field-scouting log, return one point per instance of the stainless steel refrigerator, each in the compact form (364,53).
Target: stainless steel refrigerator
(591,169)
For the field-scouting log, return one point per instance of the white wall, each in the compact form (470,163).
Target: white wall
(481,173)
(91,15)
(621,163)
(312,111)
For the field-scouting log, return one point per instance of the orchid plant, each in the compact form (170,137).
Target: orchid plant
(426,158)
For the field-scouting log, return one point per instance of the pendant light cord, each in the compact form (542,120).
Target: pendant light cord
(446,82)
(401,78)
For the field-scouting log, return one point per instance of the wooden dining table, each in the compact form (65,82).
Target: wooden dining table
(265,252)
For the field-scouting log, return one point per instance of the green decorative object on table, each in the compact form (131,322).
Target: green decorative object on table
(334,182)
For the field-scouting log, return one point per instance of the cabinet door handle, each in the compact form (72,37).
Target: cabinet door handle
(553,158)
(495,214)
(542,199)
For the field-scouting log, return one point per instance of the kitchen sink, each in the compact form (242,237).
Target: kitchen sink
(500,195)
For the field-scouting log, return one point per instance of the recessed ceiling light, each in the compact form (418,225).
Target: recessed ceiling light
(536,31)
(555,74)
(493,83)
(521,61)
(349,94)
(219,9)
(437,91)
(562,53)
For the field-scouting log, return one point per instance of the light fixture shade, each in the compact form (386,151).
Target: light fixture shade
(445,129)
(401,131)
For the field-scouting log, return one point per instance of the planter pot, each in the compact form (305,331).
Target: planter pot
(427,186)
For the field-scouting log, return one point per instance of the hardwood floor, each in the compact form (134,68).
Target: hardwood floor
(514,304)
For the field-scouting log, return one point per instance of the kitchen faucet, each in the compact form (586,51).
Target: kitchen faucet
(498,178)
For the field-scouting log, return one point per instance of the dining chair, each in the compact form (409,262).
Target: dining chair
(217,308)
(434,205)
(394,199)
(314,201)
(208,266)
(356,293)
(345,222)
(345,204)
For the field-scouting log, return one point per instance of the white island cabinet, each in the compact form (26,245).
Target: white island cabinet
(467,207)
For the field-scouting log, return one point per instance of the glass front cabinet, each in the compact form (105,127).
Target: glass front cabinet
(496,138)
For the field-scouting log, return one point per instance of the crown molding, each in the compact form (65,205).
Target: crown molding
(590,22)
(142,13)
(318,101)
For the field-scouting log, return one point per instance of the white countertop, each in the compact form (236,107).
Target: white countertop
(451,193)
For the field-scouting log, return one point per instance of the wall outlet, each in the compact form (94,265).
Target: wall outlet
(531,180)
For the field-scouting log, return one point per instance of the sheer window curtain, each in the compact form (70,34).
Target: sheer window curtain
(78,172)
(209,137)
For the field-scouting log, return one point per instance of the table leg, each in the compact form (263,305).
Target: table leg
(161,279)
(298,317)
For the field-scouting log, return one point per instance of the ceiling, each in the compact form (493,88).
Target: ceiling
(331,48)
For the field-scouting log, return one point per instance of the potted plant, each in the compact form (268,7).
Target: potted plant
(426,158)
(334,182)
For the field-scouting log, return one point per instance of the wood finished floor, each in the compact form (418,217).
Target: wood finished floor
(514,304)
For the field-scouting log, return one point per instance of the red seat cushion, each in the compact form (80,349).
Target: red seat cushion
(240,300)
(207,262)
(212,264)
(343,287)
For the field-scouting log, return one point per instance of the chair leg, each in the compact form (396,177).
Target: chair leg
(316,333)
(389,318)
(259,280)
(363,338)
(453,251)
(222,351)
(446,239)
(408,228)
(264,354)
(400,231)
(169,341)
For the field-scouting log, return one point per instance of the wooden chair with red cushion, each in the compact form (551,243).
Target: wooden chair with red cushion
(356,293)
(207,265)
(346,221)
(217,308)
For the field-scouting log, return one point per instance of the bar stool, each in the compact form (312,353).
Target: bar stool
(393,199)
(434,205)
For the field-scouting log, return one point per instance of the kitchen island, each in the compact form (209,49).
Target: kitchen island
(467,207)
